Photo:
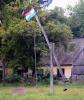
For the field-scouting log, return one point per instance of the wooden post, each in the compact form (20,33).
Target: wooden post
(43,31)
(51,69)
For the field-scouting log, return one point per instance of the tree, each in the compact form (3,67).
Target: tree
(17,48)
(56,26)
(76,20)
(57,15)
(58,33)
(17,35)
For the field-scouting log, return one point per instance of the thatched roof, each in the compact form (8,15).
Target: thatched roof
(74,57)
(66,60)
(79,64)
(80,59)
(78,70)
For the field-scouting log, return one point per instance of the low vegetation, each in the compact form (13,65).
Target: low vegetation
(74,92)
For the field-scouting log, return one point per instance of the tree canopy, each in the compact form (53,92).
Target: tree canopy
(17,46)
(76,19)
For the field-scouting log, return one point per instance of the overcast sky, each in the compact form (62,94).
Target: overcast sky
(62,3)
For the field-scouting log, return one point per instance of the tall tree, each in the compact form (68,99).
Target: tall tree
(17,48)
(17,35)
(57,15)
(76,20)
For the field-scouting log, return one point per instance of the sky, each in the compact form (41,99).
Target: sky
(62,3)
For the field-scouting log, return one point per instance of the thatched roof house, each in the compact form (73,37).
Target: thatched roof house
(66,57)
(71,58)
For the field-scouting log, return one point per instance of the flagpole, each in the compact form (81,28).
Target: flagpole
(52,52)
(48,43)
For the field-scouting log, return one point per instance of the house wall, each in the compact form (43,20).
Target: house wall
(55,70)
(67,70)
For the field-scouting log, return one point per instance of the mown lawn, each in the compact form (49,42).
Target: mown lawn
(74,92)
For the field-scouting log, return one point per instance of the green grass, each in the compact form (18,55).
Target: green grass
(74,92)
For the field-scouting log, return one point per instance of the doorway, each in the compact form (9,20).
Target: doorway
(1,72)
(58,73)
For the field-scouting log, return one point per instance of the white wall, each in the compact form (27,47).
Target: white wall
(67,73)
(67,70)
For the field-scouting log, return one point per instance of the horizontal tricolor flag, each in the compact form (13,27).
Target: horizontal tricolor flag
(30,14)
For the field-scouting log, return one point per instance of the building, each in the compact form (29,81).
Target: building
(71,60)
(65,59)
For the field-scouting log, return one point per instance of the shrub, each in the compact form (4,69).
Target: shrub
(13,78)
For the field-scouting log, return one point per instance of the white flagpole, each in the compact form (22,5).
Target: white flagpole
(52,53)
(48,43)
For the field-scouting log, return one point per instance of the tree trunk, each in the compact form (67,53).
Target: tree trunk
(33,76)
(3,76)
(33,72)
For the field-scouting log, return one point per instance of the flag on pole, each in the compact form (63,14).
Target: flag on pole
(30,14)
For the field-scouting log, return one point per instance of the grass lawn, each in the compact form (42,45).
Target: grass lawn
(74,92)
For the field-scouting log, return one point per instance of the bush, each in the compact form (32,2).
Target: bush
(13,78)
(45,79)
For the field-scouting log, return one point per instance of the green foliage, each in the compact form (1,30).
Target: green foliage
(12,21)
(57,15)
(13,78)
(42,92)
(2,31)
(17,40)
(58,33)
(76,20)
(17,34)
(72,47)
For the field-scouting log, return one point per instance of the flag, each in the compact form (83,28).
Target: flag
(30,14)
(44,3)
